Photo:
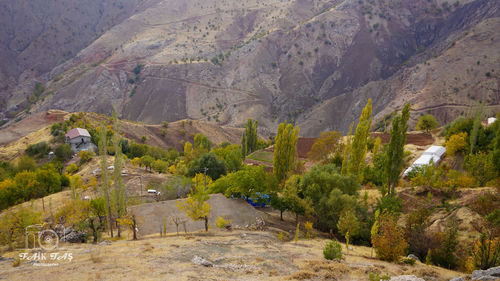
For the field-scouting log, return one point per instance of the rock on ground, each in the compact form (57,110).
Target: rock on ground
(201,261)
(489,274)
(406,278)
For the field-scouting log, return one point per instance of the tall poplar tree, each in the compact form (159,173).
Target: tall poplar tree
(104,175)
(395,150)
(347,150)
(360,140)
(249,138)
(285,150)
(119,186)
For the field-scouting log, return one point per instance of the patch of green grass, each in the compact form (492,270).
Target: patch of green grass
(264,156)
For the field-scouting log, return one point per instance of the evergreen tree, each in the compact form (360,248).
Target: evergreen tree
(394,153)
(358,150)
(285,150)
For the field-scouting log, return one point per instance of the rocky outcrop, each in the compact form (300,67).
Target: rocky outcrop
(482,275)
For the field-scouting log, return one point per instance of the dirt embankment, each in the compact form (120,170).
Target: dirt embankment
(30,124)
(175,134)
(415,138)
(153,215)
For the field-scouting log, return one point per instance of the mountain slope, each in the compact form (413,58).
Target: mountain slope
(316,62)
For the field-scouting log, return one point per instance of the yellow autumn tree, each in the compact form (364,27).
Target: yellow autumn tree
(196,205)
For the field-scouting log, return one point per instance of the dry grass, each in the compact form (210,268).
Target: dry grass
(301,275)
(95,256)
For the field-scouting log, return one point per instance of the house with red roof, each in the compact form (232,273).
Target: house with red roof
(79,139)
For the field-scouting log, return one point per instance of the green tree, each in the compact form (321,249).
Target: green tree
(26,163)
(231,154)
(293,200)
(285,150)
(348,225)
(481,167)
(160,166)
(104,175)
(426,123)
(395,150)
(119,186)
(63,152)
(196,205)
(216,168)
(97,212)
(249,138)
(347,150)
(360,140)
(147,162)
(13,225)
(475,129)
(201,144)
(249,182)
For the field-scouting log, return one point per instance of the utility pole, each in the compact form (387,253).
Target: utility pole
(140,178)
(205,177)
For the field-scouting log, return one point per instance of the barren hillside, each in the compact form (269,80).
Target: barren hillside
(316,62)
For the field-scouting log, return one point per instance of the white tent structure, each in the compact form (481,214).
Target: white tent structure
(432,154)
(491,120)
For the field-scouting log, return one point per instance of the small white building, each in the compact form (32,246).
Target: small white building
(79,139)
(491,120)
(432,154)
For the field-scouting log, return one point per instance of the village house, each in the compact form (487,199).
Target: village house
(79,139)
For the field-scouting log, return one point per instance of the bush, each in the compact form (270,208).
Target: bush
(41,149)
(71,169)
(222,223)
(333,251)
(389,241)
(480,166)
(456,143)
(85,156)
(63,152)
(408,261)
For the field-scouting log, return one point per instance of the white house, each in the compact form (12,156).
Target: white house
(79,139)
(432,154)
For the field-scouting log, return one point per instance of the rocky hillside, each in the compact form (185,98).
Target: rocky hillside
(316,62)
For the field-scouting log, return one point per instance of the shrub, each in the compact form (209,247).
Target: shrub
(378,277)
(456,143)
(85,156)
(160,166)
(480,166)
(308,226)
(71,169)
(63,152)
(408,261)
(389,241)
(486,252)
(333,251)
(282,236)
(41,148)
(222,223)
(445,254)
